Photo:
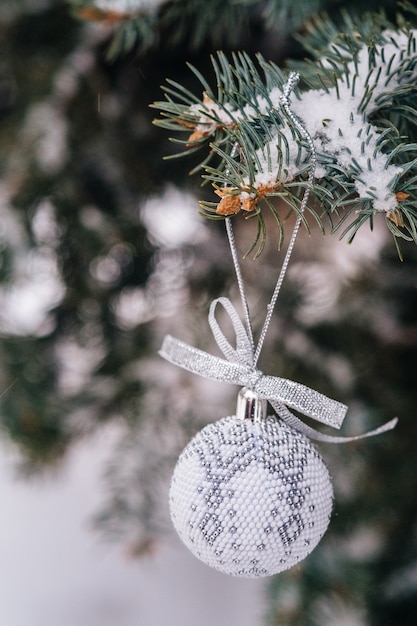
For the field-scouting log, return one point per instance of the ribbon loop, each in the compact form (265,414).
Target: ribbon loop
(244,350)
(238,369)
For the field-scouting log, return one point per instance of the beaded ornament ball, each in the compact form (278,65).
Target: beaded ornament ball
(249,498)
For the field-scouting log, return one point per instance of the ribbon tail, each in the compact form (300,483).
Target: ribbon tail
(303,399)
(289,418)
(199,362)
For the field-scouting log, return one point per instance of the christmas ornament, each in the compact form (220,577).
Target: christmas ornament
(250,495)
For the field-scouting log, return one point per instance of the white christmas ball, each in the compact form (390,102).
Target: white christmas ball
(250,498)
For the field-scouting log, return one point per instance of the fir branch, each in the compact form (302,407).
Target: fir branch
(134,22)
(141,24)
(357,117)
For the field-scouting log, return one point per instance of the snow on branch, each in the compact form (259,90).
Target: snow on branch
(366,164)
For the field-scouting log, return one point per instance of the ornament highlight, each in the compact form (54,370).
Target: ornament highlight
(250,496)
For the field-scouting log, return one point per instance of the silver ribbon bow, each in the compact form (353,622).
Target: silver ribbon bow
(239,369)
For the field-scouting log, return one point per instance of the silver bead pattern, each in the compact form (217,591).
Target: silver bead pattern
(250,498)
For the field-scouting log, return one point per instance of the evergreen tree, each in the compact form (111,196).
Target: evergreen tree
(80,157)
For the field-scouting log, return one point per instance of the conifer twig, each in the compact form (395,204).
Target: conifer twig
(361,112)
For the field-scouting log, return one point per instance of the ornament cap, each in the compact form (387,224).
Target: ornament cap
(250,406)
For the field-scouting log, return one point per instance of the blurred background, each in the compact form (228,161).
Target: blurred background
(102,252)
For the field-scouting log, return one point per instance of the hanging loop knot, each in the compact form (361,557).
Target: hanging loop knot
(238,368)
